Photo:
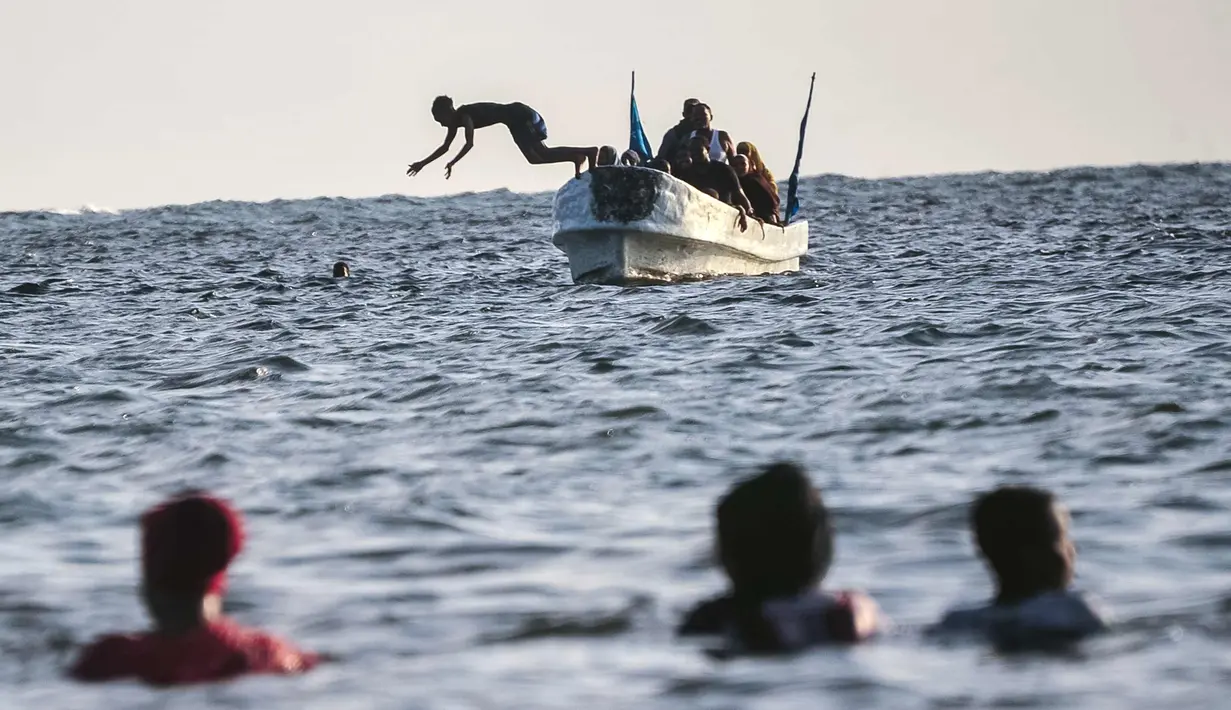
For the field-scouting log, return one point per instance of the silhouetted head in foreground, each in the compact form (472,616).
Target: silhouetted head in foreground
(341,270)
(688,104)
(1023,534)
(776,544)
(607,155)
(187,543)
(631,158)
(739,163)
(774,536)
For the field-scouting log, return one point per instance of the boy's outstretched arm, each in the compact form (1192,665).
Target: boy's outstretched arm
(469,126)
(444,148)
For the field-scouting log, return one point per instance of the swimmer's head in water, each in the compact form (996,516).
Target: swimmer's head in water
(740,164)
(1023,533)
(774,537)
(607,155)
(341,270)
(187,543)
(442,109)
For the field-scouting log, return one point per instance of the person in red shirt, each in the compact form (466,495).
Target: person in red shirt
(187,543)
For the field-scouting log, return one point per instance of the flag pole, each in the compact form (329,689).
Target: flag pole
(792,194)
(637,140)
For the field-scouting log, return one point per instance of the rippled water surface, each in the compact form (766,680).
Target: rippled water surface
(482,486)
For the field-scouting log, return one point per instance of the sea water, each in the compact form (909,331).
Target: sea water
(481,486)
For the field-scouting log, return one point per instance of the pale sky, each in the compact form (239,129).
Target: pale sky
(128,103)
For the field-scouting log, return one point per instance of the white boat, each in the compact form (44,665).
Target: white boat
(625,226)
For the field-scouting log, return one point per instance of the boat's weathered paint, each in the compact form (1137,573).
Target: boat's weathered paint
(626,225)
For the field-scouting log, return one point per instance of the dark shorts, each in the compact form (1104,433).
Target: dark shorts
(525,125)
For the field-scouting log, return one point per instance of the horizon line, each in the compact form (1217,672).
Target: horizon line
(89,208)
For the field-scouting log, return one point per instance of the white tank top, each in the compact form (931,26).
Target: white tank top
(716,151)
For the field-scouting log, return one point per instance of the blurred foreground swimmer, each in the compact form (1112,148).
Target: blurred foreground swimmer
(1023,535)
(341,270)
(187,543)
(775,543)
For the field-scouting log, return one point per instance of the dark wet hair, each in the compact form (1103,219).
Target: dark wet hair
(774,534)
(1011,520)
(188,542)
(1013,516)
(341,270)
(442,103)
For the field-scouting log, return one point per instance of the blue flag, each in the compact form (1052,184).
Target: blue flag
(792,190)
(636,134)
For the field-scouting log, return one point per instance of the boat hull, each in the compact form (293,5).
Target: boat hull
(630,226)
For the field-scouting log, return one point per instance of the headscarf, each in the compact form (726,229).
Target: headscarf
(188,542)
(758,166)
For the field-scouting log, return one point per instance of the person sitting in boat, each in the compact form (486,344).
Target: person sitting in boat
(764,201)
(717,179)
(524,123)
(187,543)
(1022,534)
(630,158)
(607,156)
(775,543)
(676,137)
(757,165)
(720,144)
(660,165)
(681,158)
(682,169)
